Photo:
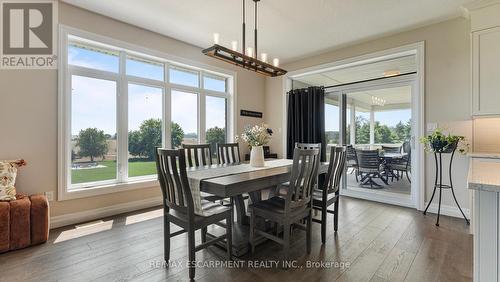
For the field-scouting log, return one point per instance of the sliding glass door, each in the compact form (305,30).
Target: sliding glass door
(375,121)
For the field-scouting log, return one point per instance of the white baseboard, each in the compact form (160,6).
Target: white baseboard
(379,196)
(448,210)
(88,215)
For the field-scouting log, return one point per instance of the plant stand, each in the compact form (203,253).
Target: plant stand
(440,185)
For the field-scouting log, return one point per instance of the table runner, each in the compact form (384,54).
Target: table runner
(202,173)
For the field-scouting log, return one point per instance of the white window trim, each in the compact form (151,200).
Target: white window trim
(124,48)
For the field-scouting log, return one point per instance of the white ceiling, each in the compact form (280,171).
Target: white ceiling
(378,69)
(394,98)
(288,29)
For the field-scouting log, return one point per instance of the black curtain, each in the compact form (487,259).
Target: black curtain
(306,118)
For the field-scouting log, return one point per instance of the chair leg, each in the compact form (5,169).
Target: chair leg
(229,239)
(286,241)
(166,238)
(308,232)
(252,232)
(336,215)
(204,234)
(323,222)
(408,176)
(191,256)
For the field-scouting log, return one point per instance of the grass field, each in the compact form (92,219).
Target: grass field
(109,171)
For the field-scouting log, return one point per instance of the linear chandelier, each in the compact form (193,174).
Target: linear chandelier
(248,61)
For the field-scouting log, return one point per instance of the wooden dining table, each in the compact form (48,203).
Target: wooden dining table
(234,184)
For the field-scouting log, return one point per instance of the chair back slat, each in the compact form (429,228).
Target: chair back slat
(336,167)
(228,153)
(172,175)
(198,154)
(391,149)
(368,159)
(308,145)
(303,177)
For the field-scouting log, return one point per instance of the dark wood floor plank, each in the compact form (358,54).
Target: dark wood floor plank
(382,243)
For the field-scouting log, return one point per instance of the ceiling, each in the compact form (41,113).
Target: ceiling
(288,29)
(362,72)
(394,98)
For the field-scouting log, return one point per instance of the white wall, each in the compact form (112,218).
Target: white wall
(28,109)
(447,87)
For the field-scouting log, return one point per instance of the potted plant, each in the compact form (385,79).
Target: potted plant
(440,143)
(256,137)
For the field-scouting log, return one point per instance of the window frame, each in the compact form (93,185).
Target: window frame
(66,190)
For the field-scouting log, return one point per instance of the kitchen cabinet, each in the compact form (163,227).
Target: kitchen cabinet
(485,28)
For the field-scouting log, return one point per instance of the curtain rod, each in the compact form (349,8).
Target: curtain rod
(368,80)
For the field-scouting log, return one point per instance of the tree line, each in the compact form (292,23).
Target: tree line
(383,133)
(92,142)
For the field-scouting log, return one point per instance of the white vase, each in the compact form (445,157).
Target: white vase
(257,156)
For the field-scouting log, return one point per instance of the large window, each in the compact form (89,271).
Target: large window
(117,105)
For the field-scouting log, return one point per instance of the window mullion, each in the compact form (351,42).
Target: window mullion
(201,111)
(167,110)
(122,121)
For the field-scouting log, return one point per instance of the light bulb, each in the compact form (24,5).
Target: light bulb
(216,38)
(234,45)
(263,57)
(276,62)
(249,51)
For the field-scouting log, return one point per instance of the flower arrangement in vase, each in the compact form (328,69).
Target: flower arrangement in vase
(256,137)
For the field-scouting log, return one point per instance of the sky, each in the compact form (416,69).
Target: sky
(94,100)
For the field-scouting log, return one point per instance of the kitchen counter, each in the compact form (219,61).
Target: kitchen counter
(484,180)
(484,175)
(484,155)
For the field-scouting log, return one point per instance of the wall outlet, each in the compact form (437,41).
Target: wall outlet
(49,195)
(431,126)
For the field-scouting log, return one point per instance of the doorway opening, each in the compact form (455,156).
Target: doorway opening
(374,106)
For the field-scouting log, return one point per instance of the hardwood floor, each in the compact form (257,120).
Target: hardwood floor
(379,242)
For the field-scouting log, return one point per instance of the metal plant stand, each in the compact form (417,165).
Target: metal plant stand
(439,176)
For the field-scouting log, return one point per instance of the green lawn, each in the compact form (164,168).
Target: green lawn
(109,171)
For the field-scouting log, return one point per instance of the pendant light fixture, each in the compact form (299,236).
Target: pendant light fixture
(246,60)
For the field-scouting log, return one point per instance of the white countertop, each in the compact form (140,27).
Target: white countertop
(484,175)
(484,155)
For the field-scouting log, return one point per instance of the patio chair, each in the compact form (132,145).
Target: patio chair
(352,160)
(404,166)
(370,167)
(392,149)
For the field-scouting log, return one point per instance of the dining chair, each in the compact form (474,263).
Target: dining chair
(391,149)
(228,153)
(370,167)
(307,146)
(178,207)
(198,154)
(296,205)
(329,194)
(352,160)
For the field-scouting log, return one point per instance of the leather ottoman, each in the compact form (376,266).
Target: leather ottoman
(23,222)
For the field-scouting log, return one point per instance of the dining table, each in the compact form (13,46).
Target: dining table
(232,181)
(389,158)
